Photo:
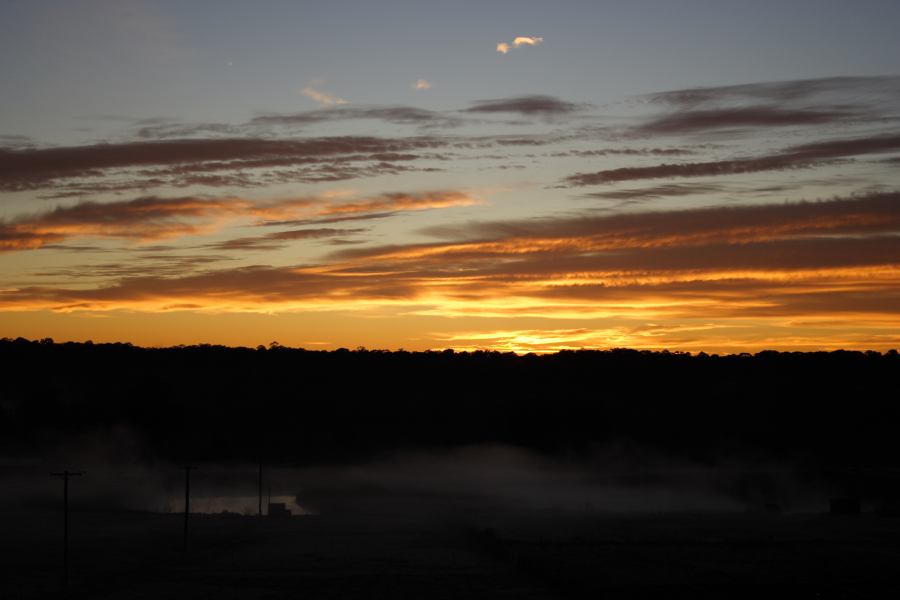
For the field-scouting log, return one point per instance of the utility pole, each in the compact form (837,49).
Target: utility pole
(260,489)
(65,475)
(187,501)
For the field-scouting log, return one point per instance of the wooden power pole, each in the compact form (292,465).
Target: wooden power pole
(187,501)
(259,486)
(65,475)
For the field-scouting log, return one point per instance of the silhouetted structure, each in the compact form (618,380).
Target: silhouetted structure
(259,489)
(278,510)
(65,475)
(845,506)
(187,501)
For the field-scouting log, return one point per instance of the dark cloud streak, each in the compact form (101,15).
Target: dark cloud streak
(33,168)
(778,91)
(525,105)
(762,254)
(741,117)
(872,214)
(796,157)
(397,115)
(153,218)
(281,239)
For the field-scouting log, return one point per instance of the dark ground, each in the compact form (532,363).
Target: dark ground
(391,448)
(471,554)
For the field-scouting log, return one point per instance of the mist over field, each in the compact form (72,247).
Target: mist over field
(488,477)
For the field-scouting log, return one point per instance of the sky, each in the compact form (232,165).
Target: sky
(520,176)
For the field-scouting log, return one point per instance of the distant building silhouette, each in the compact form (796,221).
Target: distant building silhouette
(845,506)
(278,510)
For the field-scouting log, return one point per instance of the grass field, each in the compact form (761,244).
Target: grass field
(438,552)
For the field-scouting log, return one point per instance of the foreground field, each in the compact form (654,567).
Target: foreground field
(382,553)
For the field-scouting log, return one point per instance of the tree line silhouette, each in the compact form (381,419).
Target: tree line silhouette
(298,406)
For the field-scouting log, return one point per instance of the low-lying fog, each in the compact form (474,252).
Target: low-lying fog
(613,479)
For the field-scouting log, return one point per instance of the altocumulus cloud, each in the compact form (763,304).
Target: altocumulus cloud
(153,218)
(742,117)
(518,42)
(186,159)
(525,105)
(802,156)
(817,259)
(320,97)
(782,92)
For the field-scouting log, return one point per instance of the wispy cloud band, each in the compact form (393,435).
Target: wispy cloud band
(154,218)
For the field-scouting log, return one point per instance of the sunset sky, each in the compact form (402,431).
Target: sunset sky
(530,176)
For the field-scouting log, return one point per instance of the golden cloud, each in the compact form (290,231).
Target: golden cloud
(652,278)
(518,42)
(152,218)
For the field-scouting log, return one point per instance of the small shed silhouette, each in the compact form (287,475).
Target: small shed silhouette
(278,510)
(845,506)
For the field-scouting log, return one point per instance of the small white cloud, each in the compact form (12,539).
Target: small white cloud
(527,41)
(322,98)
(518,42)
(421,84)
